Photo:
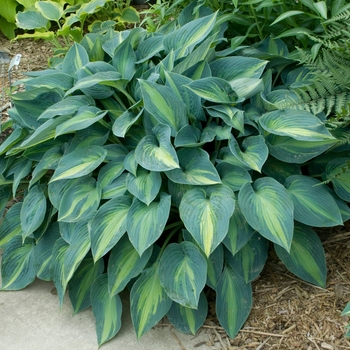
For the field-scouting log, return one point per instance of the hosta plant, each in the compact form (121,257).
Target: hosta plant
(162,163)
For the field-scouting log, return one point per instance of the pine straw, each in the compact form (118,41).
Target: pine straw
(287,313)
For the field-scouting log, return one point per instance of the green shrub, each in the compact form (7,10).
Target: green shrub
(166,163)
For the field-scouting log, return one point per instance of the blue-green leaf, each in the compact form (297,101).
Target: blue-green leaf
(107,310)
(313,204)
(18,264)
(125,263)
(149,301)
(145,224)
(108,225)
(206,212)
(182,273)
(306,258)
(80,284)
(233,301)
(188,320)
(268,208)
(255,151)
(196,168)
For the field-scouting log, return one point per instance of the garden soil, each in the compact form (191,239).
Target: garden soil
(287,313)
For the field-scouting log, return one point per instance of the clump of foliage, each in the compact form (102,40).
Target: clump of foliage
(52,19)
(163,163)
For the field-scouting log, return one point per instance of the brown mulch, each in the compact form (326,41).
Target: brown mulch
(287,312)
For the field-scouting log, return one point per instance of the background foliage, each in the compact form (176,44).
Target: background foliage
(168,163)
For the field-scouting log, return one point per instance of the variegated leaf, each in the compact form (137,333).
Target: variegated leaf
(206,212)
(18,264)
(268,208)
(188,320)
(182,273)
(313,204)
(145,224)
(255,151)
(196,168)
(233,301)
(108,225)
(155,152)
(125,263)
(149,301)
(107,310)
(80,162)
(306,258)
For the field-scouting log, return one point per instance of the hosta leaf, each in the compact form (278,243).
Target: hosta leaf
(10,226)
(190,136)
(18,264)
(214,90)
(108,225)
(48,161)
(130,163)
(145,224)
(249,261)
(206,212)
(116,188)
(33,210)
(313,204)
(337,170)
(84,117)
(280,170)
(188,320)
(125,263)
(81,282)
(124,122)
(80,162)
(230,115)
(80,200)
(124,60)
(215,263)
(31,20)
(50,10)
(149,48)
(155,152)
(43,251)
(233,176)
(67,106)
(107,310)
(149,301)
(239,232)
(76,58)
(161,102)
(255,151)
(145,186)
(21,171)
(268,208)
(44,132)
(77,250)
(196,168)
(233,301)
(109,172)
(110,79)
(182,273)
(290,150)
(300,125)
(193,102)
(190,34)
(306,258)
(17,135)
(236,67)
(57,271)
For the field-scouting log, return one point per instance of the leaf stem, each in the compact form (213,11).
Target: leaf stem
(171,234)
